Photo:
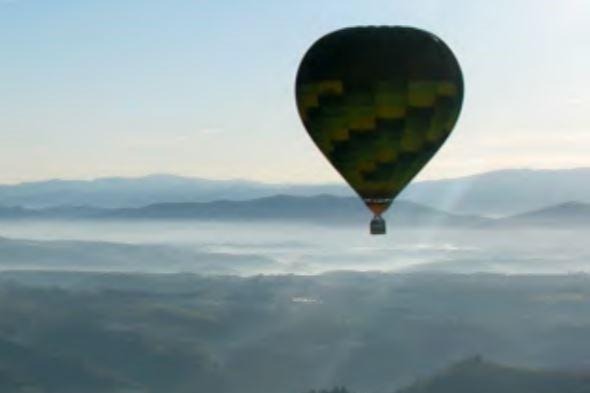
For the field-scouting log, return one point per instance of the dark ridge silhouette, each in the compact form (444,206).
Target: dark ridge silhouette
(317,209)
(496,193)
(477,375)
(562,215)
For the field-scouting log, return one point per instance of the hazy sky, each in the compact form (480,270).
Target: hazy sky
(205,88)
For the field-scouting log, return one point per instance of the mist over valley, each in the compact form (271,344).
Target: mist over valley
(285,293)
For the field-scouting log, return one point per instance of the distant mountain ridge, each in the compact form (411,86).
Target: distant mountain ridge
(503,192)
(317,209)
(568,213)
(477,375)
(136,192)
(496,193)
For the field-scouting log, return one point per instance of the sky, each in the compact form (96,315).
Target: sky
(128,88)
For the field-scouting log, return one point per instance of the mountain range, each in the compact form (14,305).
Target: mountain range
(568,213)
(477,375)
(497,193)
(319,209)
(142,191)
(504,192)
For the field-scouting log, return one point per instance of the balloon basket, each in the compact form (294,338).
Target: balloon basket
(378,226)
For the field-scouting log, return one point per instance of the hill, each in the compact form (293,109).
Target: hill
(51,373)
(153,189)
(503,192)
(317,209)
(494,193)
(569,214)
(477,375)
(370,332)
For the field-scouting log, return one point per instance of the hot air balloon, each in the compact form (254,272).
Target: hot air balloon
(379,102)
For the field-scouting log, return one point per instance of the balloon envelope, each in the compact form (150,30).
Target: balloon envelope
(379,102)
